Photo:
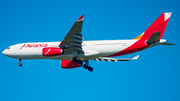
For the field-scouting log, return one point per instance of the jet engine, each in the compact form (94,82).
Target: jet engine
(68,64)
(52,51)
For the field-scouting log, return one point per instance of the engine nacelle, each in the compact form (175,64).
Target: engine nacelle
(52,51)
(68,64)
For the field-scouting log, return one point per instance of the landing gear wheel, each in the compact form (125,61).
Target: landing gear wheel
(75,59)
(90,69)
(20,64)
(85,66)
(80,62)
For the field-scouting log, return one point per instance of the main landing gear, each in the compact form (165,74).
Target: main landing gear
(75,59)
(20,64)
(85,66)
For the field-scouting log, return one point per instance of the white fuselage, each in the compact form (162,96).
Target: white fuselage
(91,49)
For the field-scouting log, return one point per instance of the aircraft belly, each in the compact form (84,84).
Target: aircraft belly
(61,57)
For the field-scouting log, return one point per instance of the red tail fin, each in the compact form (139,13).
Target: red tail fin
(157,26)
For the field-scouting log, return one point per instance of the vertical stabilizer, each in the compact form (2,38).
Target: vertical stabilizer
(159,25)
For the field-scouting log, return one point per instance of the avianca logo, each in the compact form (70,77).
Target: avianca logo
(33,45)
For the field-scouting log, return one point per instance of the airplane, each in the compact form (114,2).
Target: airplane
(73,52)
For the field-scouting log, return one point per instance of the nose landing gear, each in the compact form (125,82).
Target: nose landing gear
(20,64)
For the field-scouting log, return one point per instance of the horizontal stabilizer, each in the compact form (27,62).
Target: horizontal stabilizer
(166,44)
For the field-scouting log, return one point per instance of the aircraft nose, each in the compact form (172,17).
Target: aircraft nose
(4,52)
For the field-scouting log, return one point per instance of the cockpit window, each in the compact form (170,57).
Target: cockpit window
(8,48)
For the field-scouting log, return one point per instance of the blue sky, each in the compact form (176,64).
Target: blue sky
(153,77)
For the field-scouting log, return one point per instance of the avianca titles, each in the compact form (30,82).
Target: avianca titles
(73,52)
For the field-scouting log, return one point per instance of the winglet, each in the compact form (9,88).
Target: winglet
(81,18)
(136,57)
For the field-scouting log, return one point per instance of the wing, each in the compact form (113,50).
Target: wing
(73,39)
(114,59)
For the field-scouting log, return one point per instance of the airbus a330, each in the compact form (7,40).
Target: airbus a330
(73,52)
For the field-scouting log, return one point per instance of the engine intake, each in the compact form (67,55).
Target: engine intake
(52,51)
